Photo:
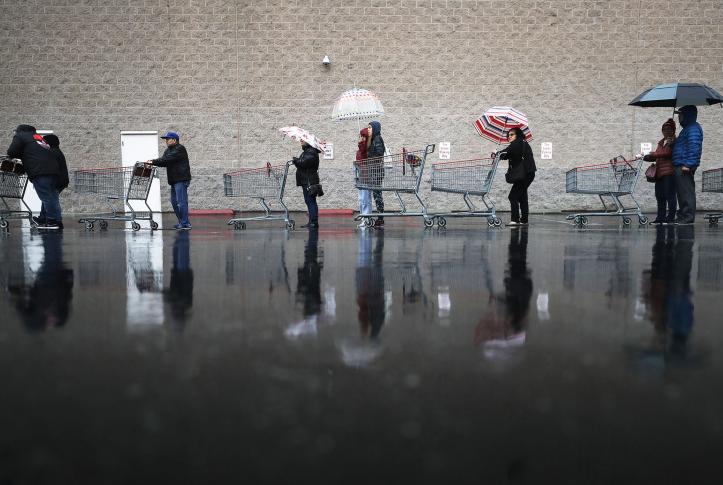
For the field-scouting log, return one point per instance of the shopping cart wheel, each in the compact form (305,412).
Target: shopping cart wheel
(135,226)
(369,222)
(239,225)
(4,224)
(441,222)
(642,220)
(103,225)
(713,221)
(154,225)
(626,221)
(89,225)
(290,225)
(428,222)
(498,222)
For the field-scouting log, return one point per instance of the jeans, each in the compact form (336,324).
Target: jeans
(46,188)
(685,188)
(310,201)
(666,198)
(518,198)
(365,202)
(179,201)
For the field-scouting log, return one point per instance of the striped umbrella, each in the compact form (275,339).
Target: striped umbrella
(497,121)
(356,104)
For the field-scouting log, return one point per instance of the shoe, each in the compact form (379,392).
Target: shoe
(311,225)
(362,224)
(185,227)
(39,220)
(513,224)
(50,226)
(684,223)
(658,221)
(379,222)
(524,223)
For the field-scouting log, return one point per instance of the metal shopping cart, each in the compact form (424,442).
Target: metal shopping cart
(264,184)
(114,184)
(13,182)
(614,179)
(469,178)
(713,182)
(400,173)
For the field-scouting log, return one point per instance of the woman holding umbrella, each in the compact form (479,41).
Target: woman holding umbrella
(522,163)
(307,177)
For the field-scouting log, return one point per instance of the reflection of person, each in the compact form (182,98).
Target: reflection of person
(519,152)
(46,303)
(375,151)
(307,174)
(664,175)
(178,173)
(365,196)
(308,286)
(686,158)
(180,292)
(370,285)
(42,170)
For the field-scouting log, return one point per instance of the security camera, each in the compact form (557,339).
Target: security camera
(326,61)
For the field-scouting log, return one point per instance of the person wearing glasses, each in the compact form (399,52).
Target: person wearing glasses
(519,152)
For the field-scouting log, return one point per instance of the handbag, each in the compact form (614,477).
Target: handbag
(315,190)
(651,173)
(516,173)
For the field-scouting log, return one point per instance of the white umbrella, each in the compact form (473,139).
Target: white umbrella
(357,104)
(300,134)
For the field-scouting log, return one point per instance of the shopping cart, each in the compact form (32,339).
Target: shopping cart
(469,178)
(400,173)
(13,182)
(614,179)
(713,182)
(114,184)
(264,184)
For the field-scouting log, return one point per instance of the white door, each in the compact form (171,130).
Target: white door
(31,197)
(139,146)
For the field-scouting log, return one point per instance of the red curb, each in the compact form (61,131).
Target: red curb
(336,212)
(211,212)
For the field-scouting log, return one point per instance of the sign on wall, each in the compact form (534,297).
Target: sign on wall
(329,151)
(546,150)
(445,150)
(646,148)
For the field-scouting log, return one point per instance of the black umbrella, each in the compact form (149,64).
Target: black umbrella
(677,94)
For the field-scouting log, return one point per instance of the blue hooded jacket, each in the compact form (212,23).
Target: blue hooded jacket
(376,148)
(689,144)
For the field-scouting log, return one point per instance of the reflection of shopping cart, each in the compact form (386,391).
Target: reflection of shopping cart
(113,184)
(266,183)
(614,179)
(400,173)
(713,182)
(13,182)
(466,177)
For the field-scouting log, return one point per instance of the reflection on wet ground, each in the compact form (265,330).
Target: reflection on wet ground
(466,355)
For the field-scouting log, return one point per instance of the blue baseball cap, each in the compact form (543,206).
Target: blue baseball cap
(171,134)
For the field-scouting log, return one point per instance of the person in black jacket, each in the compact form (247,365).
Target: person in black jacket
(307,174)
(42,169)
(178,172)
(375,153)
(519,152)
(63,179)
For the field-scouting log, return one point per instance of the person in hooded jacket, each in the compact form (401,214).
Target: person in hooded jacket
(686,158)
(519,152)
(664,175)
(375,150)
(307,174)
(63,178)
(42,170)
(178,173)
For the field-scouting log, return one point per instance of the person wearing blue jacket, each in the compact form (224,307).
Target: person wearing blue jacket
(686,158)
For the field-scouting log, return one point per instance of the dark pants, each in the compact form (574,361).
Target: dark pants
(46,188)
(666,198)
(518,198)
(310,201)
(179,201)
(685,188)
(378,200)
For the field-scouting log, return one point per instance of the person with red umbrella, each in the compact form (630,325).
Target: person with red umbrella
(520,174)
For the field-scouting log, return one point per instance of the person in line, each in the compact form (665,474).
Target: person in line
(664,175)
(365,196)
(686,158)
(42,169)
(375,150)
(178,173)
(519,152)
(307,175)
(63,178)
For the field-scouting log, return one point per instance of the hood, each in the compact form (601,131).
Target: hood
(25,129)
(376,128)
(52,140)
(688,115)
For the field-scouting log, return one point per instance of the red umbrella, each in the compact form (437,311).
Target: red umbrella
(498,120)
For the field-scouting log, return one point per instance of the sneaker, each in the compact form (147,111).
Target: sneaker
(658,221)
(51,226)
(39,220)
(379,222)
(362,225)
(185,227)
(513,224)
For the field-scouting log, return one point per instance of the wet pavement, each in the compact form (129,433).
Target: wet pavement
(465,355)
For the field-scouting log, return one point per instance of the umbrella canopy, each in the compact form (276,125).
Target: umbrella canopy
(677,94)
(498,120)
(356,104)
(300,134)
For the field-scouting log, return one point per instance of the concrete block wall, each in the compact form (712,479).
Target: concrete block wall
(227,74)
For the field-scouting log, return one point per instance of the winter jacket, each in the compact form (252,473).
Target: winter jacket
(514,153)
(377,148)
(375,154)
(662,158)
(307,167)
(35,154)
(689,144)
(63,178)
(175,159)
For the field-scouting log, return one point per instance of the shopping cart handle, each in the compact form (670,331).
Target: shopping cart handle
(430,150)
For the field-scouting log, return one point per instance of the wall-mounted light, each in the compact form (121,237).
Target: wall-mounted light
(326,61)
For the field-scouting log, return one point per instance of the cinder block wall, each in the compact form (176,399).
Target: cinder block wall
(227,74)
